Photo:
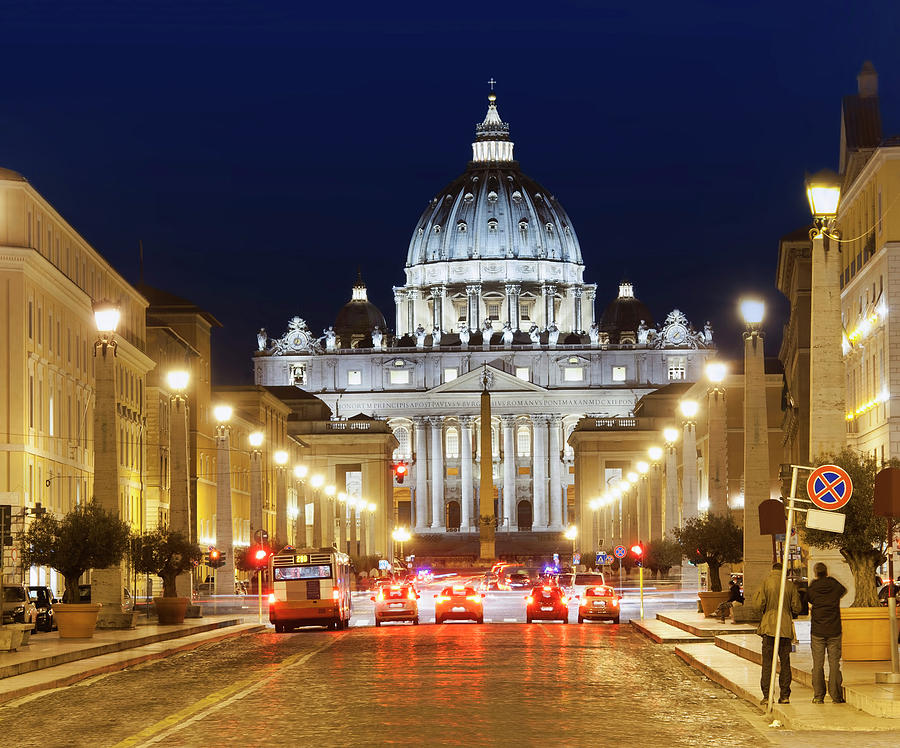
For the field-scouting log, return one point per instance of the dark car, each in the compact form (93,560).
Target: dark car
(43,600)
(547,602)
(521,579)
(84,596)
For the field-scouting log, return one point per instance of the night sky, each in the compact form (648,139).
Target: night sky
(261,151)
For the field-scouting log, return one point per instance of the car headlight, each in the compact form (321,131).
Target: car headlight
(20,609)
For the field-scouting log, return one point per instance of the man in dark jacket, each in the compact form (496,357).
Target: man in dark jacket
(824,597)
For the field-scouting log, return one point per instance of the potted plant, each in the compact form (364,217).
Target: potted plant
(865,624)
(88,537)
(661,555)
(166,553)
(714,540)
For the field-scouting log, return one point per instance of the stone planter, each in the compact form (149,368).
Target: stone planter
(709,601)
(866,634)
(26,630)
(10,638)
(76,620)
(170,610)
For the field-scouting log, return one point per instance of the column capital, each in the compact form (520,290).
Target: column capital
(435,421)
(466,421)
(541,419)
(555,419)
(576,291)
(508,421)
(513,288)
(412,293)
(399,295)
(473,289)
(549,289)
(419,420)
(438,292)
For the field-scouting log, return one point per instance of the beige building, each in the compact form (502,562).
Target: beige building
(49,279)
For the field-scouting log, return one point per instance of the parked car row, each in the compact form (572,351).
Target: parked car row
(34,604)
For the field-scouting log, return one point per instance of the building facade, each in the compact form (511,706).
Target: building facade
(494,292)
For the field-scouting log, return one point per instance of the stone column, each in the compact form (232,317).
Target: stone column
(473,294)
(363,535)
(556,513)
(411,296)
(107,584)
(512,304)
(592,297)
(689,484)
(399,325)
(539,472)
(643,509)
(317,518)
(354,513)
(256,493)
(281,518)
(343,510)
(718,450)
(549,306)
(421,475)
(576,300)
(465,468)
(509,471)
(437,472)
(225,575)
(757,548)
(671,519)
(827,424)
(437,295)
(179,493)
(303,540)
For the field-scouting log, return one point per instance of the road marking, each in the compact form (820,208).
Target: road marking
(216,700)
(510,620)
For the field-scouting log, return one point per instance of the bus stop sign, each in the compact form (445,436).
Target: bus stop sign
(829,487)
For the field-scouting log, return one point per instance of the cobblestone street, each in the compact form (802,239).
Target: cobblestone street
(458,684)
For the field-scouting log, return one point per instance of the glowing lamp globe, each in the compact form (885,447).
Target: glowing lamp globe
(222,413)
(823,191)
(178,379)
(256,439)
(655,453)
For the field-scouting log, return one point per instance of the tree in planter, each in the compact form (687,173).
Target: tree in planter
(86,538)
(715,540)
(661,555)
(863,542)
(165,553)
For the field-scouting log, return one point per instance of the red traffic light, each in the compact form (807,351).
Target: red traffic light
(637,550)
(400,471)
(260,554)
(213,554)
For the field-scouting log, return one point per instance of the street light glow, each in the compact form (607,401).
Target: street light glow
(330,490)
(689,408)
(222,413)
(178,379)
(670,434)
(106,316)
(823,191)
(281,457)
(401,534)
(317,481)
(371,506)
(643,467)
(753,311)
(632,478)
(342,497)
(655,453)
(256,439)
(300,471)
(571,532)
(716,371)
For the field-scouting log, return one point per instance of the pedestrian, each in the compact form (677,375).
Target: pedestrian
(766,600)
(824,595)
(734,596)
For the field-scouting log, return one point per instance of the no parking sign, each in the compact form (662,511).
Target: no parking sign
(829,487)
(620,551)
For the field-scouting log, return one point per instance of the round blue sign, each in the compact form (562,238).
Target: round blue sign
(620,551)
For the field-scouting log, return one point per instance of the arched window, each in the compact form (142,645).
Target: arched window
(452,440)
(461,227)
(492,224)
(523,442)
(402,451)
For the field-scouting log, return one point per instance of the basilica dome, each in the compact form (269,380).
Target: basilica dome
(357,318)
(493,211)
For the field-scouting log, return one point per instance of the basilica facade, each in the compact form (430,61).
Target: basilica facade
(494,290)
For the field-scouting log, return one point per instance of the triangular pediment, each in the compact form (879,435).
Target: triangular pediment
(500,382)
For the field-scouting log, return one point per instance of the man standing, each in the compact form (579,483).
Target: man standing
(766,600)
(824,596)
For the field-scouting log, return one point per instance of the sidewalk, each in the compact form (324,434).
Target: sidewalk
(731,654)
(50,662)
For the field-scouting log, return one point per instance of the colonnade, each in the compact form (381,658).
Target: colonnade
(434,484)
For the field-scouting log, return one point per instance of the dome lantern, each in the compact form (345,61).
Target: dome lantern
(492,141)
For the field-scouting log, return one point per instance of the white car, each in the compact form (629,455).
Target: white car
(576,583)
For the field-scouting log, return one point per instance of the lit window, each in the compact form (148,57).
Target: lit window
(573,374)
(618,373)
(676,368)
(354,376)
(523,373)
(452,439)
(450,374)
(523,442)
(399,376)
(493,311)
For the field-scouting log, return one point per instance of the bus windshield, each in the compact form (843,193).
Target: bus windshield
(284,573)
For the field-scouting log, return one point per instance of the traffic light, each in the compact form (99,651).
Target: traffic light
(400,471)
(259,556)
(216,558)
(638,550)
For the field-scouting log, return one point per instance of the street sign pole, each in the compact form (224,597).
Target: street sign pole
(892,601)
(259,591)
(641,570)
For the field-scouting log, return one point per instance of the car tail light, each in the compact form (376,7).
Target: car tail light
(564,600)
(529,599)
(272,599)
(380,595)
(411,594)
(615,601)
(474,598)
(442,598)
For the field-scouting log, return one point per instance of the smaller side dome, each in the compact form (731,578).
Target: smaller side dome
(624,314)
(8,175)
(358,318)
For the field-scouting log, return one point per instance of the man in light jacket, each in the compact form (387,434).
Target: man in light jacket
(766,599)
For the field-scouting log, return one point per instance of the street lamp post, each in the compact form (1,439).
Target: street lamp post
(302,536)
(670,437)
(400,535)
(643,497)
(224,576)
(107,585)
(281,518)
(179,492)
(757,554)
(256,491)
(317,481)
(572,534)
(716,415)
(330,515)
(689,488)
(655,507)
(366,534)
(353,504)
(342,511)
